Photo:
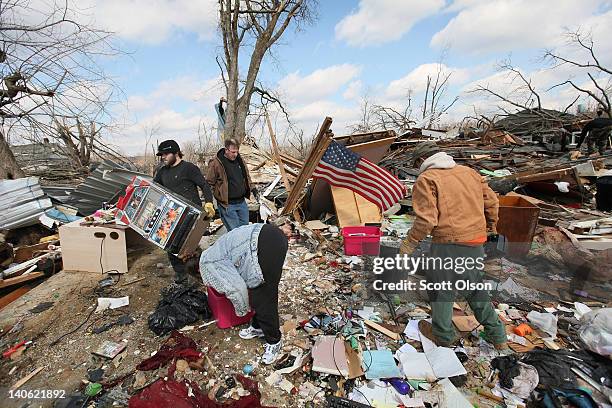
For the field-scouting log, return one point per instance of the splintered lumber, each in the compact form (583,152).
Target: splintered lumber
(317,150)
(383,330)
(277,157)
(292,161)
(26,378)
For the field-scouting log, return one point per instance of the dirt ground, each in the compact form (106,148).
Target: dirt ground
(74,295)
(311,283)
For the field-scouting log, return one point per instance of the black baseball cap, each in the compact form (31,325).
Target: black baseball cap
(168,146)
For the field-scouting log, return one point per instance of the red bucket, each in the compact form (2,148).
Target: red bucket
(223,310)
(361,240)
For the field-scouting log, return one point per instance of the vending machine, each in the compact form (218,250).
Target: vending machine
(162,217)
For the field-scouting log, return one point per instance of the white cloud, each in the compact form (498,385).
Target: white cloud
(176,107)
(508,25)
(416,80)
(154,21)
(309,115)
(353,90)
(381,21)
(319,84)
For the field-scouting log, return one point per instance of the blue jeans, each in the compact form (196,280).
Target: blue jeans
(234,215)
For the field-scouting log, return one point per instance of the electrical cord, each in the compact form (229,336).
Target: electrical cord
(338,368)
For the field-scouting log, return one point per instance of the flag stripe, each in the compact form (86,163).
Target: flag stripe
(388,177)
(350,180)
(389,191)
(342,167)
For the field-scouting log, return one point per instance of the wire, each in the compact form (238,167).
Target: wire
(338,368)
(54,342)
(101,266)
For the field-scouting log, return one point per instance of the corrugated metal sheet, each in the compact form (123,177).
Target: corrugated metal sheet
(105,184)
(59,193)
(22,202)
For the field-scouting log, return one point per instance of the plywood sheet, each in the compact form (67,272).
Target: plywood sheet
(352,209)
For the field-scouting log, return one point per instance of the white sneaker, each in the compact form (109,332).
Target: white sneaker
(250,333)
(272,353)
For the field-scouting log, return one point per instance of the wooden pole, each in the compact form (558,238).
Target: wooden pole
(277,157)
(317,150)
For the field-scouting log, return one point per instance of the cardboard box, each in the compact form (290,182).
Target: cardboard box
(94,248)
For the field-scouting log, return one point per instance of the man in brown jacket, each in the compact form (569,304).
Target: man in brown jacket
(230,181)
(458,209)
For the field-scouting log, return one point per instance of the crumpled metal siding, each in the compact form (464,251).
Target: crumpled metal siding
(105,184)
(22,202)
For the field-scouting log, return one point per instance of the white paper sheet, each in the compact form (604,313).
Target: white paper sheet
(416,366)
(412,330)
(445,363)
(440,362)
(112,303)
(454,397)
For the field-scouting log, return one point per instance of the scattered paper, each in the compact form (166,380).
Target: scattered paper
(445,363)
(550,309)
(112,303)
(376,393)
(408,402)
(581,310)
(406,348)
(427,344)
(454,397)
(299,359)
(416,366)
(379,364)
(440,362)
(412,330)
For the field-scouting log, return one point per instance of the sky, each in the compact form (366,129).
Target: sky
(356,50)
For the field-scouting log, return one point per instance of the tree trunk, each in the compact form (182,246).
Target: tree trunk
(9,169)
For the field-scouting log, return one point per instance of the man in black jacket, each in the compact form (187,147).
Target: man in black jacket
(229,178)
(183,178)
(598,131)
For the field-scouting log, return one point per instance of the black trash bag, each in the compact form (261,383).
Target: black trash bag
(178,307)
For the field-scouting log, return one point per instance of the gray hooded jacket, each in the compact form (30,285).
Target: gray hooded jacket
(231,267)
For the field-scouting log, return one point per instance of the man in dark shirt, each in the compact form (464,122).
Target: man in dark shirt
(229,177)
(598,131)
(182,178)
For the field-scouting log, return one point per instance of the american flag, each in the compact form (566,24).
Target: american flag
(341,167)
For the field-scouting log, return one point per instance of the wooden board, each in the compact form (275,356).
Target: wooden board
(14,295)
(19,279)
(465,323)
(352,209)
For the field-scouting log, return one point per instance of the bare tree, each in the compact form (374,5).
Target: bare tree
(522,94)
(50,74)
(80,145)
(435,93)
(599,75)
(257,25)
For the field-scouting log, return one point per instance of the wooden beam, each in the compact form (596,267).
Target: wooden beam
(14,295)
(319,147)
(291,160)
(19,279)
(277,158)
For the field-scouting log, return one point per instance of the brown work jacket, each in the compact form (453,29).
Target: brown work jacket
(217,178)
(454,205)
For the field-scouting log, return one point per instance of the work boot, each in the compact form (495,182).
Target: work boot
(426,330)
(272,353)
(250,333)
